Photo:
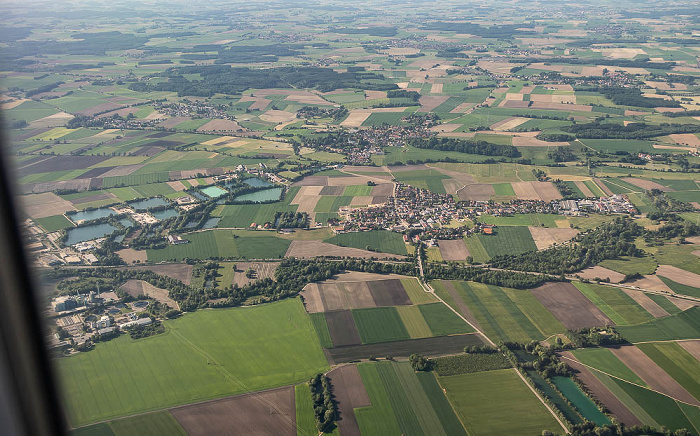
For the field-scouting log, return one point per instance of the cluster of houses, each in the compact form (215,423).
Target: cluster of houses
(614,204)
(419,211)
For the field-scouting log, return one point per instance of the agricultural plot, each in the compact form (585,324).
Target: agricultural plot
(429,347)
(149,424)
(54,223)
(480,400)
(677,362)
(570,306)
(616,304)
(684,325)
(427,179)
(248,414)
(502,314)
(383,241)
(277,340)
(504,240)
(403,402)
(224,244)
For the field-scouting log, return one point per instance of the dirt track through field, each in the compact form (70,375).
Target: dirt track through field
(602,393)
(350,394)
(453,249)
(427,346)
(262,413)
(570,306)
(652,374)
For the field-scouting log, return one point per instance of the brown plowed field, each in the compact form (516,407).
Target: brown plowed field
(678,275)
(220,126)
(461,305)
(388,293)
(570,306)
(682,304)
(311,296)
(600,272)
(652,283)
(349,393)
(646,184)
(525,190)
(129,255)
(453,249)
(345,295)
(545,237)
(692,347)
(307,249)
(262,413)
(139,287)
(652,374)
(430,102)
(547,191)
(476,192)
(602,393)
(603,187)
(312,181)
(332,190)
(123,170)
(46,204)
(647,303)
(426,346)
(342,328)
(178,271)
(383,189)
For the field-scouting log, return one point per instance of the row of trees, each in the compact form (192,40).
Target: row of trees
(601,130)
(466,146)
(324,404)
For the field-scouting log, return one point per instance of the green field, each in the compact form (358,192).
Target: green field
(425,179)
(677,362)
(679,288)
(54,223)
(304,407)
(483,399)
(377,240)
(504,240)
(604,360)
(148,424)
(503,189)
(379,118)
(685,325)
(331,203)
(415,323)
(321,326)
(416,292)
(617,305)
(357,191)
(379,324)
(205,354)
(630,265)
(662,409)
(404,402)
(442,321)
(239,244)
(503,318)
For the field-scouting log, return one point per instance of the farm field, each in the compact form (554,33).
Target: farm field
(502,314)
(480,399)
(378,240)
(684,325)
(617,305)
(207,371)
(403,401)
(505,240)
(224,243)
